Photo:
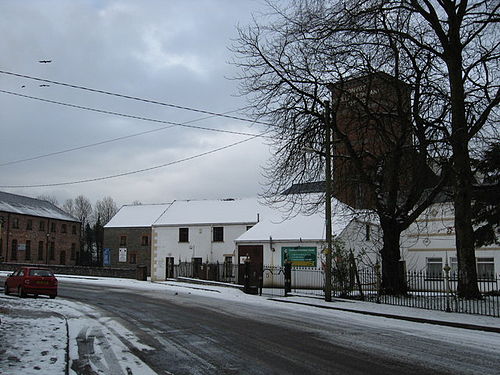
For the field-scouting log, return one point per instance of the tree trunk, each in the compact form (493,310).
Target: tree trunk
(393,276)
(464,232)
(463,179)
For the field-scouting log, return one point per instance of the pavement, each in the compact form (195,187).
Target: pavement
(448,319)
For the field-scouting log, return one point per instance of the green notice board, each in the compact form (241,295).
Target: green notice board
(299,256)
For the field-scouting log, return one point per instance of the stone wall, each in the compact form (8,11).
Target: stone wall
(128,273)
(137,245)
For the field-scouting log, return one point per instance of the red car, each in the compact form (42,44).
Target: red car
(31,280)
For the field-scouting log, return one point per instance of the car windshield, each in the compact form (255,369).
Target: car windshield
(40,273)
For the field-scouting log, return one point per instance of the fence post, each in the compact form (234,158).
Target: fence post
(447,269)
(261,279)
(378,283)
(246,276)
(288,278)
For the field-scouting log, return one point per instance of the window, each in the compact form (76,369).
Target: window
(40,250)
(42,273)
(63,228)
(15,223)
(145,241)
(132,258)
(367,232)
(183,234)
(73,251)
(52,254)
(53,227)
(218,234)
(73,229)
(434,268)
(29,224)
(454,268)
(1,248)
(27,255)
(485,268)
(13,254)
(41,227)
(123,240)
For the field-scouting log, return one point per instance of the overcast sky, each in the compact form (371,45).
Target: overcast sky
(173,51)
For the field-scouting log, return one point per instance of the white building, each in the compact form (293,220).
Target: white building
(201,231)
(429,242)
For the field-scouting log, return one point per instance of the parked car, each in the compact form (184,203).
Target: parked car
(31,280)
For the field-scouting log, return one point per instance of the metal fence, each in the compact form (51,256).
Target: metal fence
(423,290)
(221,272)
(426,291)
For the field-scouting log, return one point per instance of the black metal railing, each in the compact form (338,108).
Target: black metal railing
(221,272)
(423,290)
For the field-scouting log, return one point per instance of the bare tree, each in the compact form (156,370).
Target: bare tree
(104,210)
(461,38)
(69,207)
(289,65)
(82,209)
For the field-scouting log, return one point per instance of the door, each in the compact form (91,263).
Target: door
(62,257)
(197,263)
(255,254)
(169,267)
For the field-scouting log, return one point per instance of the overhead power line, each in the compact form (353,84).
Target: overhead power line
(132,172)
(171,123)
(185,108)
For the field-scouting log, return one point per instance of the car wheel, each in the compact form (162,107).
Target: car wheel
(21,292)
(52,296)
(6,290)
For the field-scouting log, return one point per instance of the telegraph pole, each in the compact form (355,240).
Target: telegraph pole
(328,203)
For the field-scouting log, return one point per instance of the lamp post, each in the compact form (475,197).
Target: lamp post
(328,204)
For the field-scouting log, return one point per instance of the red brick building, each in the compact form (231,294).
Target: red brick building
(373,113)
(37,232)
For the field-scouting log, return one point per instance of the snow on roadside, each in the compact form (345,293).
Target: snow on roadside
(33,339)
(86,316)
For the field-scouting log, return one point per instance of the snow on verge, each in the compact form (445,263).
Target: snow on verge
(34,339)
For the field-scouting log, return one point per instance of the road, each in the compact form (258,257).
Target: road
(193,334)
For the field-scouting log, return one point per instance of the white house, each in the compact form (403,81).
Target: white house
(201,231)
(301,240)
(430,242)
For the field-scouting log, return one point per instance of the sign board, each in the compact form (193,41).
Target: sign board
(21,246)
(300,256)
(243,259)
(106,256)
(122,254)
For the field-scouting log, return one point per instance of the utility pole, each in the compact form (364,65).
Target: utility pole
(328,203)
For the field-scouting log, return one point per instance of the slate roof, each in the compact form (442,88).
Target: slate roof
(19,204)
(306,188)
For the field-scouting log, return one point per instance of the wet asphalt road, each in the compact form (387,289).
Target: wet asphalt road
(202,335)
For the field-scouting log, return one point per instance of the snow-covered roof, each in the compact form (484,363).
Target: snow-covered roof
(223,211)
(142,215)
(20,204)
(300,226)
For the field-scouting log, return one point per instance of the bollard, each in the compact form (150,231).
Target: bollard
(288,278)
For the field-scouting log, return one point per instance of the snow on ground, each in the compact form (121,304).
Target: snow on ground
(31,342)
(86,327)
(36,335)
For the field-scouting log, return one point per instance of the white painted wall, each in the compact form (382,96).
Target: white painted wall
(433,236)
(166,244)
